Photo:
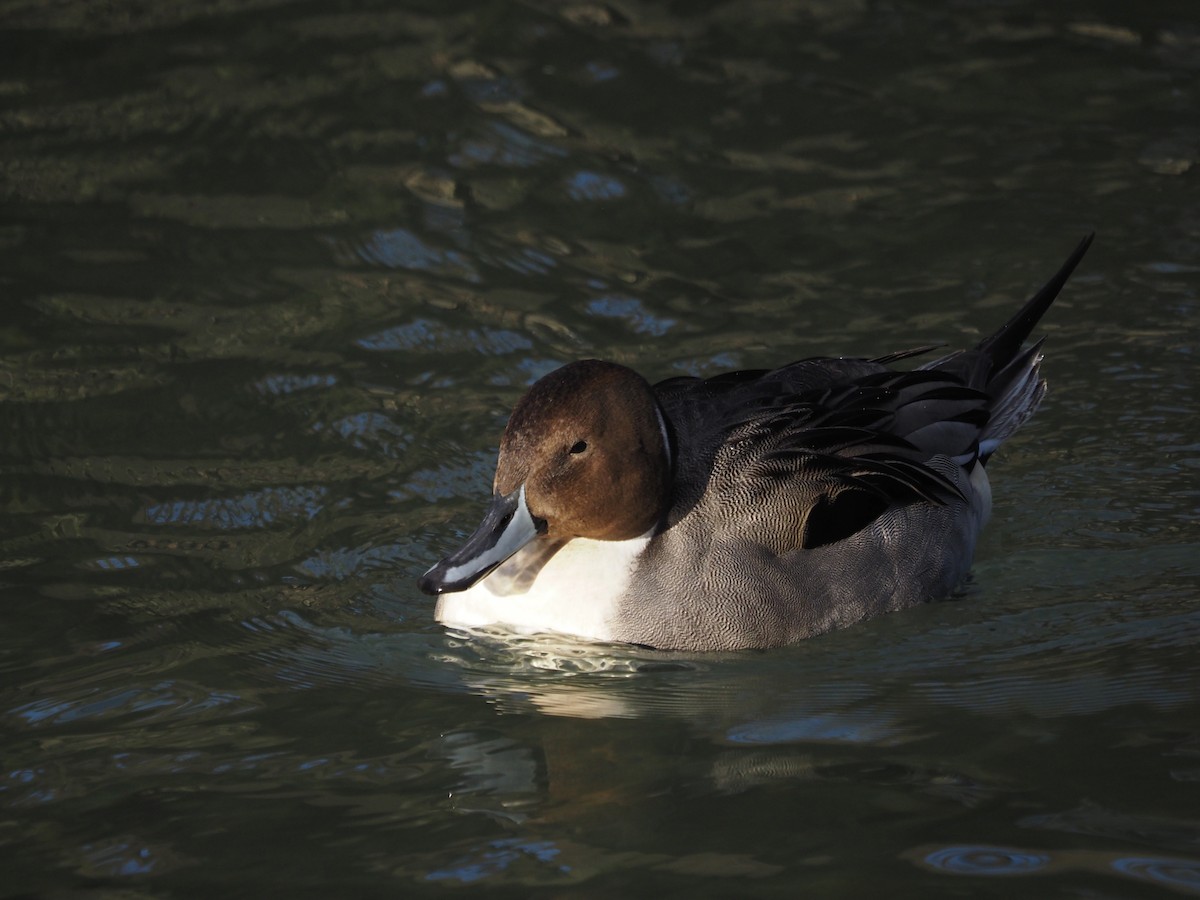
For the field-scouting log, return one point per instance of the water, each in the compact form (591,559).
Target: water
(273,273)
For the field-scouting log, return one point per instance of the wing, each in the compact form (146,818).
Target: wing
(823,464)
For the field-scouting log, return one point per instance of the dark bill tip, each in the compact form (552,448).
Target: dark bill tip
(506,528)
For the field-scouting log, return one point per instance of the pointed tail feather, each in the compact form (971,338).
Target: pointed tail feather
(999,367)
(983,367)
(1006,343)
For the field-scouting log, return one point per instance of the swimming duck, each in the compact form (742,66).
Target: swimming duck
(747,510)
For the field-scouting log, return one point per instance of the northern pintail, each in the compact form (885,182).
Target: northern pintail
(750,509)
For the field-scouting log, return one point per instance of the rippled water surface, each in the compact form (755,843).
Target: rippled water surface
(274,272)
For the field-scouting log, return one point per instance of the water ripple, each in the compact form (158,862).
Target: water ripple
(586,185)
(427,335)
(399,248)
(632,311)
(254,509)
(1093,819)
(983,859)
(1181,874)
(370,430)
(497,856)
(502,144)
(854,726)
(280,384)
(126,856)
(164,698)
(1177,873)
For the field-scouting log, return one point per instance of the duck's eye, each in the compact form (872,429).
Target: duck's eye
(579,446)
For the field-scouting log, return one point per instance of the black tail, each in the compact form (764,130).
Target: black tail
(1004,345)
(978,366)
(1001,369)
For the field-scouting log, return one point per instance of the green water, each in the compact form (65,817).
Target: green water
(273,273)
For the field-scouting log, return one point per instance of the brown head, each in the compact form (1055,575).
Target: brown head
(588,443)
(585,454)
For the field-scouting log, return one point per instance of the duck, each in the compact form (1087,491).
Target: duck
(747,510)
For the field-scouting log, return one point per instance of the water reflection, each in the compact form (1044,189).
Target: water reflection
(968,860)
(126,857)
(988,861)
(1180,874)
(594,186)
(425,335)
(632,311)
(967,662)
(1094,819)
(499,856)
(528,861)
(400,248)
(256,509)
(853,726)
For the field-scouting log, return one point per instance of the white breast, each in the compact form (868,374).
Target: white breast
(576,592)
